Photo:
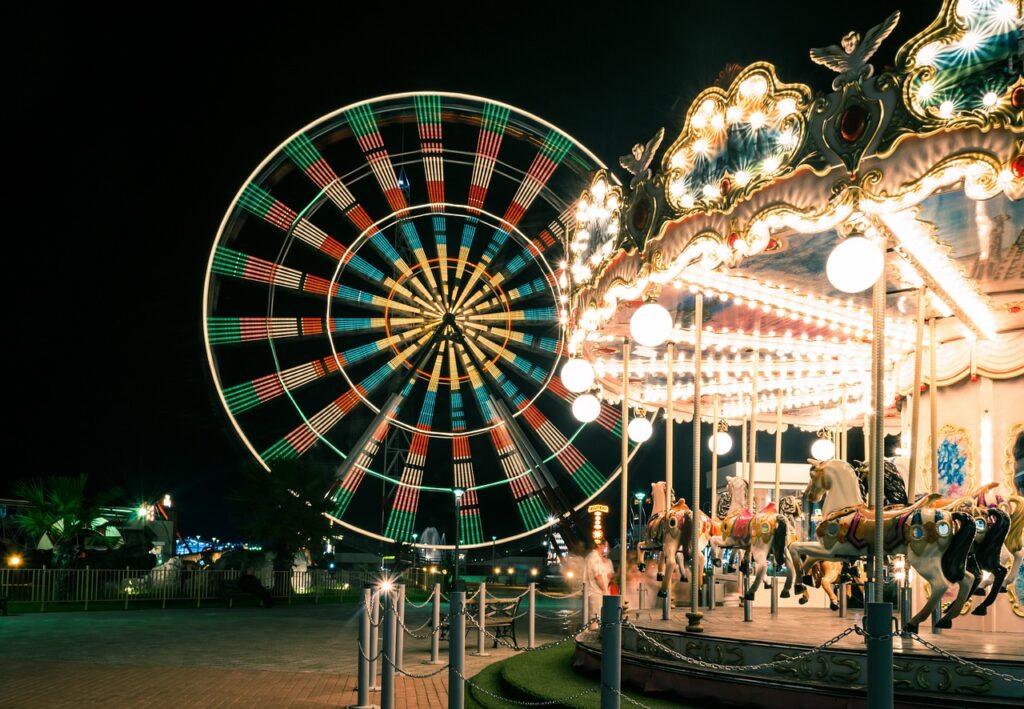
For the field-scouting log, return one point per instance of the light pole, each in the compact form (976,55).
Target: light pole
(458,492)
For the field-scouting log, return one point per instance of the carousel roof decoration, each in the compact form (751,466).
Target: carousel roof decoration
(764,181)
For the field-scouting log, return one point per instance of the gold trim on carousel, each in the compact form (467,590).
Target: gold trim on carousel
(1009,462)
(946,29)
(1015,602)
(755,94)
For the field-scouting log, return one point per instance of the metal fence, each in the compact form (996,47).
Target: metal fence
(84,586)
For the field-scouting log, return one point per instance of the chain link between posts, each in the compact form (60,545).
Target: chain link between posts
(966,663)
(544,703)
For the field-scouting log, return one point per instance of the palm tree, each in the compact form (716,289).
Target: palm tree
(61,508)
(285,509)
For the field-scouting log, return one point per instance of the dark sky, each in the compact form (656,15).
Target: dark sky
(128,131)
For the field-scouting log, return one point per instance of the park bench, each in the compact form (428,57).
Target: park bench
(500,619)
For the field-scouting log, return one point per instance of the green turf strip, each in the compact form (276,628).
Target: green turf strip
(545,675)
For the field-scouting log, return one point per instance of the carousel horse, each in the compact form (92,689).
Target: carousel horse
(1013,546)
(756,534)
(824,575)
(664,533)
(684,552)
(894,490)
(936,542)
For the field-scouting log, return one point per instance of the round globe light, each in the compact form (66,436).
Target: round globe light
(640,429)
(720,443)
(577,375)
(855,264)
(586,408)
(823,449)
(650,325)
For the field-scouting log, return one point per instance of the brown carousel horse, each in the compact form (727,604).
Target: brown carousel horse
(757,534)
(824,575)
(671,534)
(936,542)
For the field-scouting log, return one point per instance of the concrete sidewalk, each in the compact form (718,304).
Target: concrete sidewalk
(304,656)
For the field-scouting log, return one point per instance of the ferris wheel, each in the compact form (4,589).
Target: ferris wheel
(386,295)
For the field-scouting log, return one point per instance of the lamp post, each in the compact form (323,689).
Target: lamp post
(458,492)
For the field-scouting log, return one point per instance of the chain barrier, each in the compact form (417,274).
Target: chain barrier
(575,593)
(413,632)
(966,663)
(421,605)
(759,666)
(369,617)
(517,648)
(516,702)
(363,654)
(634,702)
(400,671)
(564,614)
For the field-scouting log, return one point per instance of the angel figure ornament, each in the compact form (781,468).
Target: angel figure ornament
(851,58)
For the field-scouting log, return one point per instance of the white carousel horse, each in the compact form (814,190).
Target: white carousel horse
(757,534)
(935,542)
(670,532)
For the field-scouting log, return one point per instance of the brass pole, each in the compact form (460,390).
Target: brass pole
(915,405)
(669,460)
(778,452)
(933,404)
(752,457)
(624,496)
(694,616)
(714,456)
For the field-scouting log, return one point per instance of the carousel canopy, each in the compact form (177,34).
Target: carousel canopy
(781,209)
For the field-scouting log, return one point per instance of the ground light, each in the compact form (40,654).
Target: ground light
(14,560)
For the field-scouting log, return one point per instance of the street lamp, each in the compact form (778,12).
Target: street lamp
(458,492)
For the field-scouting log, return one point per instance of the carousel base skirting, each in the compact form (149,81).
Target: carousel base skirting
(835,677)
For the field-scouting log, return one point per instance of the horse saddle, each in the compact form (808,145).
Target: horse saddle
(737,526)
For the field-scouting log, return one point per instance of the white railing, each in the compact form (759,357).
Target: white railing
(84,586)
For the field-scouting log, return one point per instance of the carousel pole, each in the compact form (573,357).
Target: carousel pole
(933,404)
(624,496)
(879,613)
(844,431)
(752,457)
(666,608)
(714,490)
(694,616)
(915,405)
(776,496)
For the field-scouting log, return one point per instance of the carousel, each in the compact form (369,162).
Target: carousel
(476,324)
(831,262)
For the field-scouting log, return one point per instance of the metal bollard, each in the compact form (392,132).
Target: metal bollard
(666,603)
(842,599)
(456,650)
(748,606)
(363,687)
(711,588)
(936,617)
(641,597)
(531,640)
(775,596)
(586,605)
(400,628)
(878,622)
(611,651)
(481,638)
(435,633)
(374,638)
(387,665)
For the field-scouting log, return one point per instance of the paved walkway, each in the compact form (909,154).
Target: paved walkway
(302,656)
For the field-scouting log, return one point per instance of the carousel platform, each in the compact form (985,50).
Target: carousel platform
(835,677)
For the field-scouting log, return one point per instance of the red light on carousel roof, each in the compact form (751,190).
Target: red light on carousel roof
(1017,166)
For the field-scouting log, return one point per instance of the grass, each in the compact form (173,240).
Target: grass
(546,675)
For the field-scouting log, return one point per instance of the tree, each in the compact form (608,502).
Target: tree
(284,509)
(61,508)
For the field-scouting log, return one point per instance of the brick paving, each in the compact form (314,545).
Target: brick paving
(300,656)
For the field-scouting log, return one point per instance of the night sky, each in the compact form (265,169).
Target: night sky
(128,133)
